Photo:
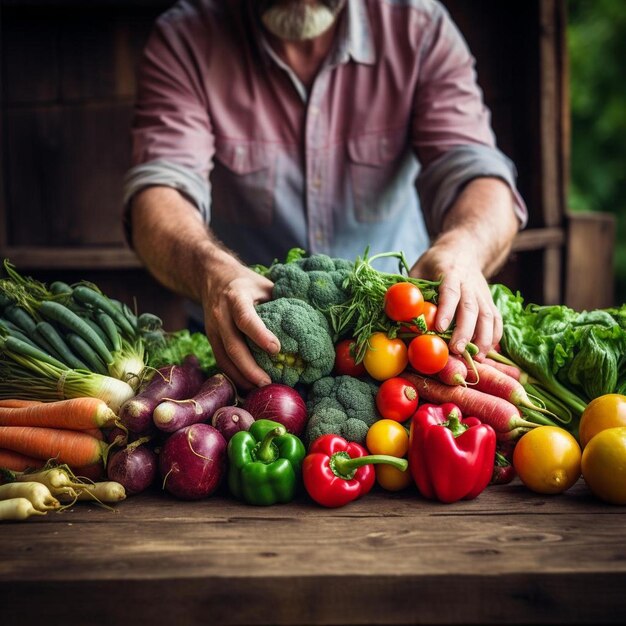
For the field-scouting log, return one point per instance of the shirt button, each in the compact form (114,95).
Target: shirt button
(319,236)
(317,183)
(313,110)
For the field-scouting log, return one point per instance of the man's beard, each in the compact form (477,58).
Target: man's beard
(294,20)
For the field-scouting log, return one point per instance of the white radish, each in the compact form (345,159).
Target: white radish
(16,509)
(58,480)
(105,491)
(37,493)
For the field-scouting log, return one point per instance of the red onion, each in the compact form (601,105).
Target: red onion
(280,403)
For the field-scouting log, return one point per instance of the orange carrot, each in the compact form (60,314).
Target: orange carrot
(17,403)
(17,462)
(65,446)
(72,414)
(94,432)
(500,414)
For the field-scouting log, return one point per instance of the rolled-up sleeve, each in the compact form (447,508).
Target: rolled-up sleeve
(172,137)
(451,130)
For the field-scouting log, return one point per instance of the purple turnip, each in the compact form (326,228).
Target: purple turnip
(230,420)
(172,415)
(170,381)
(135,467)
(192,462)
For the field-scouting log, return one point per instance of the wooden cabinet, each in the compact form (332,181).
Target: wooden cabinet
(67,86)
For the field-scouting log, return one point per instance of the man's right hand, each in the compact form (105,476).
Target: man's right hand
(177,248)
(229,315)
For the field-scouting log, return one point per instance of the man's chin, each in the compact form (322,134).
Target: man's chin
(298,22)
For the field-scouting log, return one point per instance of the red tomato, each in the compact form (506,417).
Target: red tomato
(344,359)
(428,354)
(397,399)
(429,311)
(384,357)
(403,302)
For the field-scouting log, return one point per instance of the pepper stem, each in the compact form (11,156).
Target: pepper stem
(265,452)
(344,466)
(454,424)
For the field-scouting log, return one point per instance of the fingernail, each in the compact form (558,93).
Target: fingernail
(460,346)
(274,348)
(263,382)
(443,325)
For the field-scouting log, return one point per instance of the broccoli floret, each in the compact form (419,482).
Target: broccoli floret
(307,352)
(341,405)
(317,279)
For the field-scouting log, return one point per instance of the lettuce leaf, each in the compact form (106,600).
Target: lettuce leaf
(172,348)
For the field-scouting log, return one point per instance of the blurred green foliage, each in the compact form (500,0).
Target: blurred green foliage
(596,37)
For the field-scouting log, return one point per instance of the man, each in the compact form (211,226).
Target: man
(264,125)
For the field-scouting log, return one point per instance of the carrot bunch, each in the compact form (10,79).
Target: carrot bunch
(68,431)
(493,395)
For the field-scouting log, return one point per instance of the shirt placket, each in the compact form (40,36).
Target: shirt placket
(315,149)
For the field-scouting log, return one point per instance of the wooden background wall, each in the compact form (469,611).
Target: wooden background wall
(66,90)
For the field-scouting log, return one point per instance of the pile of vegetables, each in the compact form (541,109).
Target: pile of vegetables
(364,391)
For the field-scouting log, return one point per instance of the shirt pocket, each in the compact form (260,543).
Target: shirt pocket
(243,183)
(374,160)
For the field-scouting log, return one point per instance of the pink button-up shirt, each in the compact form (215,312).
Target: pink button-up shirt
(372,155)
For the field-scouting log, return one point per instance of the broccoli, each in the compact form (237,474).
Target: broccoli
(342,405)
(317,279)
(307,351)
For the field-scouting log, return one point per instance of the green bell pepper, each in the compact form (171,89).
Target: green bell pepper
(264,463)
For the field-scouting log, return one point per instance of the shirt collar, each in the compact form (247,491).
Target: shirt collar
(358,40)
(355,36)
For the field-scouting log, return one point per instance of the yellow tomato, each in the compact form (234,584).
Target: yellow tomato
(607,411)
(392,479)
(604,465)
(385,358)
(387,437)
(547,459)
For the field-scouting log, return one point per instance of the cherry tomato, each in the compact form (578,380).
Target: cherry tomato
(428,354)
(547,459)
(389,437)
(391,478)
(397,399)
(429,311)
(603,412)
(604,465)
(384,357)
(403,301)
(344,359)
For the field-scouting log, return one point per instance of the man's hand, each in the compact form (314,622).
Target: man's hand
(463,296)
(477,234)
(228,302)
(179,250)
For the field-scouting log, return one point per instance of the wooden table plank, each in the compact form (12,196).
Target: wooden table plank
(508,556)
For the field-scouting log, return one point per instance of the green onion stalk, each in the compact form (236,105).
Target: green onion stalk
(28,379)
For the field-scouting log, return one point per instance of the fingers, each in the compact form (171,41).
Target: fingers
(476,317)
(228,321)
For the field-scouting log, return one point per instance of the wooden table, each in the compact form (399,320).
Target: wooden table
(510,556)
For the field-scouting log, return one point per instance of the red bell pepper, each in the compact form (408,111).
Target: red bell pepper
(450,458)
(337,471)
